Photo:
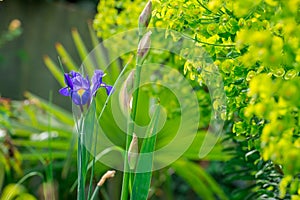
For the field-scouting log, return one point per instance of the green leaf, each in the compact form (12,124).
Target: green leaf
(82,51)
(88,130)
(45,155)
(202,183)
(58,112)
(66,58)
(55,70)
(216,153)
(99,51)
(2,172)
(142,181)
(59,145)
(11,191)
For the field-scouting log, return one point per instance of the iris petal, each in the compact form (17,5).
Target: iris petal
(80,98)
(80,82)
(74,74)
(76,98)
(96,80)
(77,82)
(86,97)
(68,80)
(85,82)
(109,89)
(82,89)
(64,91)
(97,77)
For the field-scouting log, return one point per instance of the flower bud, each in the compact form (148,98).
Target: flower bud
(126,92)
(144,46)
(133,152)
(145,17)
(107,175)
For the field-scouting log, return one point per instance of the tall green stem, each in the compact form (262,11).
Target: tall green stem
(80,194)
(94,195)
(80,157)
(137,77)
(98,119)
(130,129)
(143,49)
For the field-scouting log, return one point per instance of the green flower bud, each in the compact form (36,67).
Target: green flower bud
(145,18)
(125,92)
(133,152)
(290,74)
(144,46)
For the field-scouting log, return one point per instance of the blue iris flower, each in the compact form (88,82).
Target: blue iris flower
(81,89)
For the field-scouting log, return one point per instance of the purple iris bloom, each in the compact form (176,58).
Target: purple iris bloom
(81,89)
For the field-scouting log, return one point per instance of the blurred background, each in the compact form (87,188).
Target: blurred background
(43,23)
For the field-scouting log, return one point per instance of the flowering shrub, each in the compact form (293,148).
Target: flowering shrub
(255,45)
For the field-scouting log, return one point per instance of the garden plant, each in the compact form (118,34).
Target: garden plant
(177,99)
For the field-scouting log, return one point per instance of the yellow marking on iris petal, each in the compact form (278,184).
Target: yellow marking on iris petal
(102,84)
(80,92)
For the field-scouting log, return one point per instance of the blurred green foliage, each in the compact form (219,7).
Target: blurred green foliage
(255,45)
(34,135)
(14,191)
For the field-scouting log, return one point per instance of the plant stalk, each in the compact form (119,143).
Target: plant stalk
(130,129)
(95,192)
(80,157)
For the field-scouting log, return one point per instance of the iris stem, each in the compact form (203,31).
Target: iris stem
(80,155)
(98,120)
(126,175)
(137,77)
(95,192)
(130,129)
(116,82)
(92,170)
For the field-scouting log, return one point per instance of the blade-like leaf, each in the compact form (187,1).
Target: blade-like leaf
(55,70)
(59,145)
(45,155)
(142,181)
(82,51)
(58,112)
(204,185)
(66,58)
(101,59)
